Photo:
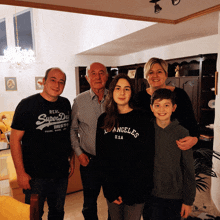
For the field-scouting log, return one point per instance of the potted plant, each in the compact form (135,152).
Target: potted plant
(203,165)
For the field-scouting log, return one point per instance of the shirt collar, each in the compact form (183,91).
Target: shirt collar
(93,95)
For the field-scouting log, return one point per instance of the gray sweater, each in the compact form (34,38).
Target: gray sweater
(174,175)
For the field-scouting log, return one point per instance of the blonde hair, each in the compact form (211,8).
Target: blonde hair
(151,62)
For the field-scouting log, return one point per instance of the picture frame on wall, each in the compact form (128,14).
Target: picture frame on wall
(39,83)
(10,84)
(131,73)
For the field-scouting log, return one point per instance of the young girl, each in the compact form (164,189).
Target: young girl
(125,151)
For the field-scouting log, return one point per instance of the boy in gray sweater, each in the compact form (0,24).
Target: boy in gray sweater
(174,176)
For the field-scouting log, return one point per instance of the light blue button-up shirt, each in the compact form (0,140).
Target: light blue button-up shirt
(85,113)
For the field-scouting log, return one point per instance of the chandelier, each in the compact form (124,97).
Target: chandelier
(17,57)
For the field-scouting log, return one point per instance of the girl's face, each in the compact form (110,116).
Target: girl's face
(156,76)
(122,92)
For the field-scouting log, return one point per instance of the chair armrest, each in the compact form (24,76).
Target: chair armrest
(34,207)
(10,208)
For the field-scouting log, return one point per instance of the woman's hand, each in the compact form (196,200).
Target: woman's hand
(118,201)
(187,142)
(185,211)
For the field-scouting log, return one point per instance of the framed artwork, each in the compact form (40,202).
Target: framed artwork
(39,83)
(131,73)
(10,84)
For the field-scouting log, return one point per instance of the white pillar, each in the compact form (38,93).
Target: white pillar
(215,183)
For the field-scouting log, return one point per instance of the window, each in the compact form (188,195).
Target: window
(25,29)
(3,39)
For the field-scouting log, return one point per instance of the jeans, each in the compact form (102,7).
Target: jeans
(91,181)
(54,190)
(147,211)
(125,212)
(166,209)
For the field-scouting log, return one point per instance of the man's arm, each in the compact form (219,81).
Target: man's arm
(15,144)
(83,158)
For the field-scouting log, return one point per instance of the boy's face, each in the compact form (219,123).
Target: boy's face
(163,109)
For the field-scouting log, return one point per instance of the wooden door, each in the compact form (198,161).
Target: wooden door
(173,81)
(190,85)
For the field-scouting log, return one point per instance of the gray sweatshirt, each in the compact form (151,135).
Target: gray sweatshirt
(174,175)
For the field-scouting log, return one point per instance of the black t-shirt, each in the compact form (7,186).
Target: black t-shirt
(126,156)
(46,142)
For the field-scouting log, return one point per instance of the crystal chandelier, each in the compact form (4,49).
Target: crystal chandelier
(17,57)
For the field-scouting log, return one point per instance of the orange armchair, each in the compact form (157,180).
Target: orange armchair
(12,209)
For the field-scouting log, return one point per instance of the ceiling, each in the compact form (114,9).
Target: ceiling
(159,35)
(189,19)
(129,9)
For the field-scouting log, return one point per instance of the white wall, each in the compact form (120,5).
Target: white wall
(95,30)
(52,49)
(215,192)
(187,48)
(59,36)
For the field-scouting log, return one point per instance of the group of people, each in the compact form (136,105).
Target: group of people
(137,147)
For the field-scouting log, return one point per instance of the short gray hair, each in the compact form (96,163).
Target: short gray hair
(88,68)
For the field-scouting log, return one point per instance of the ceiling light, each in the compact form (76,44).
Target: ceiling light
(17,57)
(175,2)
(157,8)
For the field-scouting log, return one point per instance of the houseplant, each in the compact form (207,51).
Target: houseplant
(203,165)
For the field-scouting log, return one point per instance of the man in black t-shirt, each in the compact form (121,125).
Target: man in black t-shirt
(40,144)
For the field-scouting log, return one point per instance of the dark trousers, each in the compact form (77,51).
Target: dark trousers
(125,212)
(147,208)
(163,209)
(91,181)
(54,190)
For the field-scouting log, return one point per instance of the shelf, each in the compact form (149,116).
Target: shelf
(207,109)
(207,90)
(204,76)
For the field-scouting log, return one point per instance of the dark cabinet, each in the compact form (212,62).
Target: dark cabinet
(190,85)
(196,77)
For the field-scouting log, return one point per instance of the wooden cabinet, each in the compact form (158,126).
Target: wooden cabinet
(190,85)
(196,78)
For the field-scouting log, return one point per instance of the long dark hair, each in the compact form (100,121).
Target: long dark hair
(111,109)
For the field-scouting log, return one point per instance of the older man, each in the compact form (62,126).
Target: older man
(87,107)
(40,144)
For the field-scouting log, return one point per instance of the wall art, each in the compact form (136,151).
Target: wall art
(10,84)
(39,83)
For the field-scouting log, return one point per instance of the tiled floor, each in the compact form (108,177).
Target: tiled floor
(74,204)
(204,203)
